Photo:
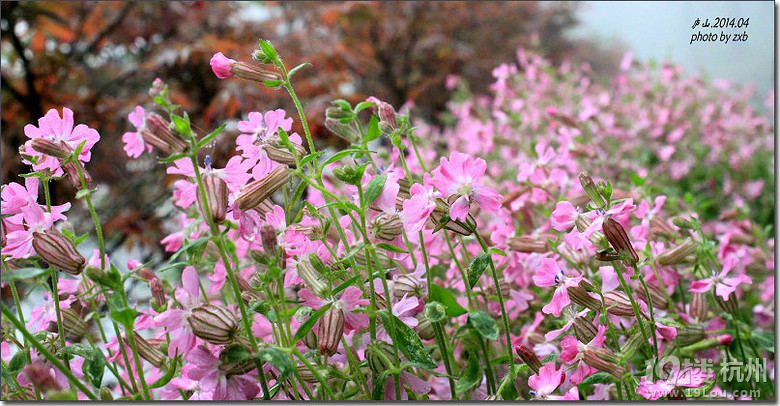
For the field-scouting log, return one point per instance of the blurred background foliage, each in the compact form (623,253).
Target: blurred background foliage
(99,59)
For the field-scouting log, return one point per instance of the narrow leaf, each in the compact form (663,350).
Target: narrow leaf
(477,267)
(307,325)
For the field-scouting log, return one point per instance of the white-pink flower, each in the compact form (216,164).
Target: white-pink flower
(459,179)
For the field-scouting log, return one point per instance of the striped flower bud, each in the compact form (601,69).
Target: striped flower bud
(527,243)
(51,341)
(313,231)
(158,291)
(330,330)
(74,327)
(379,355)
(619,304)
(660,228)
(268,237)
(584,330)
(147,351)
(314,280)
(698,306)
(607,255)
(72,174)
(145,273)
(678,254)
(58,251)
(386,114)
(529,357)
(308,376)
(425,328)
(280,153)
(346,131)
(386,226)
(503,285)
(408,285)
(690,334)
(310,340)
(604,360)
(214,324)
(440,217)
(589,186)
(237,368)
(216,195)
(158,134)
(657,296)
(262,189)
(683,222)
(617,236)
(580,296)
(59,150)
(384,261)
(729,305)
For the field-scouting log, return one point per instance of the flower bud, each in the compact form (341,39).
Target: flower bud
(527,243)
(262,189)
(41,375)
(384,260)
(660,228)
(237,368)
(604,360)
(729,305)
(74,327)
(408,285)
(105,394)
(214,324)
(59,150)
(592,190)
(386,114)
(698,306)
(158,292)
(145,273)
(529,357)
(503,285)
(330,331)
(425,328)
(58,251)
(307,375)
(313,231)
(690,334)
(280,153)
(3,233)
(346,131)
(580,296)
(677,255)
(440,217)
(683,222)
(379,355)
(607,255)
(312,277)
(348,174)
(310,340)
(619,304)
(158,134)
(216,195)
(386,226)
(157,88)
(584,330)
(72,174)
(255,73)
(657,295)
(147,351)
(617,236)
(268,237)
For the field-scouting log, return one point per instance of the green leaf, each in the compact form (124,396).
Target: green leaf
(341,154)
(343,104)
(94,367)
(309,157)
(307,325)
(407,340)
(598,377)
(484,324)
(374,189)
(121,314)
(349,282)
(268,50)
(234,353)
(182,124)
(471,375)
(373,131)
(446,298)
(18,362)
(22,273)
(82,193)
(378,391)
(297,68)
(363,105)
(279,359)
(189,246)
(210,137)
(168,375)
(497,251)
(765,340)
(477,267)
(390,247)
(509,391)
(171,158)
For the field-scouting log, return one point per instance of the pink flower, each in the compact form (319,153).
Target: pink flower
(458,178)
(222,65)
(54,128)
(349,300)
(564,216)
(548,379)
(550,274)
(204,369)
(573,353)
(687,377)
(175,320)
(723,286)
(134,142)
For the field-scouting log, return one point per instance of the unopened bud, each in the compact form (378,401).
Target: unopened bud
(346,131)
(440,217)
(580,296)
(145,273)
(616,235)
(59,150)
(264,188)
(607,255)
(310,340)
(313,231)
(425,329)
(698,306)
(307,375)
(619,304)
(256,73)
(592,190)
(379,355)
(529,357)
(584,330)
(604,360)
(386,226)
(214,324)
(280,153)
(312,277)
(683,222)
(657,296)
(725,339)
(330,330)
(157,88)
(148,351)
(527,243)
(74,327)
(73,177)
(268,237)
(105,394)
(407,285)
(503,285)
(216,195)
(348,174)
(237,368)
(3,233)
(58,251)
(158,292)
(158,134)
(386,114)
(384,261)
(660,228)
(690,334)
(677,255)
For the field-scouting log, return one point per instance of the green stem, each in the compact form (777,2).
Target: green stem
(637,313)
(355,367)
(323,384)
(48,355)
(60,329)
(460,268)
(131,339)
(438,330)
(98,228)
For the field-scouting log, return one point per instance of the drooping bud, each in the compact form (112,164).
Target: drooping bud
(158,292)
(408,285)
(312,277)
(158,134)
(386,114)
(330,330)
(72,174)
(214,324)
(619,304)
(604,360)
(379,355)
(262,189)
(59,150)
(580,296)
(617,236)
(280,153)
(147,351)
(348,174)
(698,306)
(584,330)
(425,328)
(529,357)
(527,243)
(216,195)
(74,327)
(386,226)
(677,255)
(683,222)
(657,296)
(346,131)
(145,273)
(592,190)
(58,251)
(690,334)
(268,237)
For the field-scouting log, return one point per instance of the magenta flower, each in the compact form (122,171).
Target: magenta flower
(222,65)
(564,216)
(349,300)
(134,142)
(722,285)
(204,369)
(175,320)
(550,274)
(458,178)
(548,379)
(574,351)
(54,128)
(687,377)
